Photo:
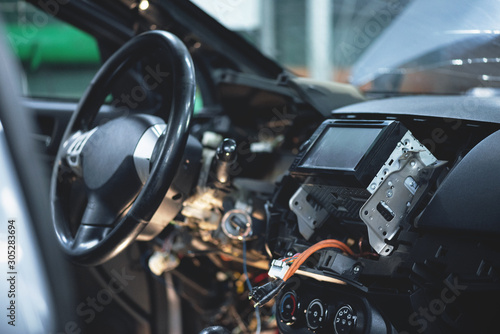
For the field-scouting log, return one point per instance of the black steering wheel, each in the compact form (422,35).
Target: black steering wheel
(121,198)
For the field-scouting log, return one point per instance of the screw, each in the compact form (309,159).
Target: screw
(356,269)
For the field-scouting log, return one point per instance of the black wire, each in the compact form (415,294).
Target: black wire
(249,285)
(144,262)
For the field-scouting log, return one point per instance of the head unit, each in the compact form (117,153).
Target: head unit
(354,150)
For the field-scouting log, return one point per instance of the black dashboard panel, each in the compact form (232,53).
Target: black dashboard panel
(307,307)
(470,108)
(468,198)
(433,247)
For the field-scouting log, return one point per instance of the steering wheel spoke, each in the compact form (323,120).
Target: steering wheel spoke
(123,193)
(98,213)
(89,236)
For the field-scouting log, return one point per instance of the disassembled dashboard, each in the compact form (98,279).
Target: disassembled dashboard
(336,165)
(343,234)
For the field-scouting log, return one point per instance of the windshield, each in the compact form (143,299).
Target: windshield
(382,46)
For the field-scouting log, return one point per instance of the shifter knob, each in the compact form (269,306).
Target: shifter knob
(225,157)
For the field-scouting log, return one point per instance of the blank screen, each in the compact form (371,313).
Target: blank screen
(340,148)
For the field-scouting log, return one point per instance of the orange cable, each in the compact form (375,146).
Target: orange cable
(329,243)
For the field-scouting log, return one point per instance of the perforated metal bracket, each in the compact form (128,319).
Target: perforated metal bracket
(394,198)
(407,144)
(310,214)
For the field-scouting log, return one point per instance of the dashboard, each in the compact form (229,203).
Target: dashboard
(408,185)
(388,183)
(413,206)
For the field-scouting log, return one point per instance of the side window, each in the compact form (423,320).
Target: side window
(58,59)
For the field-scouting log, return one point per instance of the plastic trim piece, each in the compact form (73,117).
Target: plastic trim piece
(467,200)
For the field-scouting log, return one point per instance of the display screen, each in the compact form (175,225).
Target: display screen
(340,148)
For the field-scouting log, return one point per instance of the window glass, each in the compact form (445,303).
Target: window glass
(58,59)
(321,39)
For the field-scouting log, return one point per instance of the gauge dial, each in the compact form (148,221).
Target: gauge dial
(344,320)
(315,314)
(288,307)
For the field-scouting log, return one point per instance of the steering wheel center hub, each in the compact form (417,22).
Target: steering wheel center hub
(107,158)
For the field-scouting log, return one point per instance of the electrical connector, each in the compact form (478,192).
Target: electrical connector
(263,294)
(278,269)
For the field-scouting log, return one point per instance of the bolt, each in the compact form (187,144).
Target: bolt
(389,193)
(413,163)
(356,269)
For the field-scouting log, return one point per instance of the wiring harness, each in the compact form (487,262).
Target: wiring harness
(288,267)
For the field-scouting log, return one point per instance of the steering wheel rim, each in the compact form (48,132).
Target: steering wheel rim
(97,245)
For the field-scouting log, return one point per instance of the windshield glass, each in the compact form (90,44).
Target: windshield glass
(383,46)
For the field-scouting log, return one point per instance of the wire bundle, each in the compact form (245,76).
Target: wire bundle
(298,259)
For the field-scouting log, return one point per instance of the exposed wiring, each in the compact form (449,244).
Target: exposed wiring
(169,242)
(365,254)
(289,260)
(262,294)
(268,232)
(249,285)
(329,243)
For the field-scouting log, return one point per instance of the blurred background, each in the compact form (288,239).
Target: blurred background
(51,68)
(321,41)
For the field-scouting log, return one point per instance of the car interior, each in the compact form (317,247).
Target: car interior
(179,180)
